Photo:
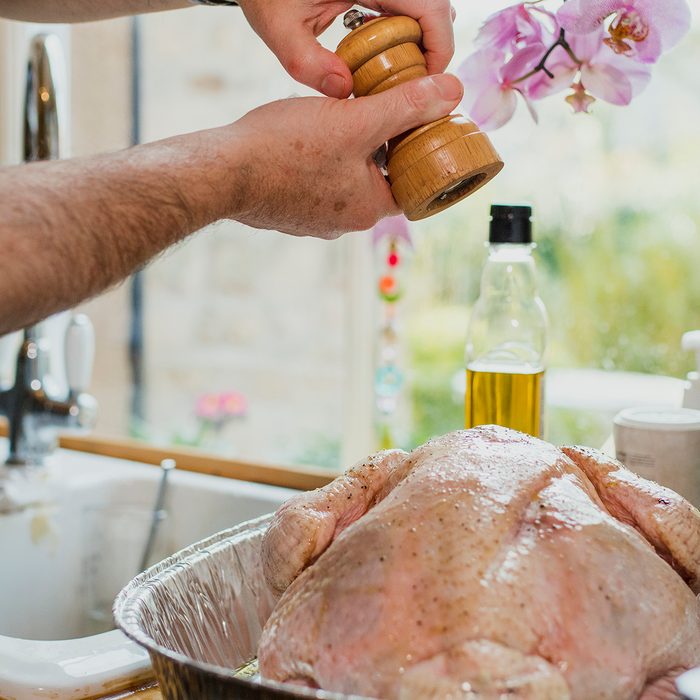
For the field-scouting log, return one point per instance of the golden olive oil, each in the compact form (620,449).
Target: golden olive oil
(513,400)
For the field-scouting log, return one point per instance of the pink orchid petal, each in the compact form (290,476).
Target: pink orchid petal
(497,29)
(638,74)
(506,28)
(393,227)
(583,16)
(481,68)
(607,83)
(544,86)
(548,22)
(586,46)
(668,21)
(527,28)
(479,72)
(561,67)
(493,107)
(649,50)
(670,18)
(522,62)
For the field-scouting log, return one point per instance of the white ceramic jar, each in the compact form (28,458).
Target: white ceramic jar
(661,444)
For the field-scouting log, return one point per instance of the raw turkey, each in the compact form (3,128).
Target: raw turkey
(485,564)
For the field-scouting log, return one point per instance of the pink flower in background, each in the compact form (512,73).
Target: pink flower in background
(491,84)
(561,70)
(514,26)
(233,404)
(393,227)
(641,29)
(217,408)
(207,406)
(600,49)
(604,74)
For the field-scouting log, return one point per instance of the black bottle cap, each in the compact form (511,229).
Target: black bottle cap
(510,224)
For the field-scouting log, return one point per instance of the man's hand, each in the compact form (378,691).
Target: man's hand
(303,166)
(309,165)
(290,28)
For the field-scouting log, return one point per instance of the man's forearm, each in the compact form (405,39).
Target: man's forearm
(304,166)
(81,10)
(70,229)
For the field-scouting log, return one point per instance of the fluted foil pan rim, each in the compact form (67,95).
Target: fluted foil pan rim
(132,597)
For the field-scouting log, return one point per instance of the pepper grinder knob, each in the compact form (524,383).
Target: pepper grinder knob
(439,164)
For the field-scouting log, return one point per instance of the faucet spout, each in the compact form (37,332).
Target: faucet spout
(34,413)
(43,90)
(33,410)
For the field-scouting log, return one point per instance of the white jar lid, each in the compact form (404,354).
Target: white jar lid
(661,418)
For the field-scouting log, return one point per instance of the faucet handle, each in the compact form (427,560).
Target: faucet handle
(80,353)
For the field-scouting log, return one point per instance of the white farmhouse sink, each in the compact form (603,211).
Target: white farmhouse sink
(67,554)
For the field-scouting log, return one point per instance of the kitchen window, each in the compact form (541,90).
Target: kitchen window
(281,332)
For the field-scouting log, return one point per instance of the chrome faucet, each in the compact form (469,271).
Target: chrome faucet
(34,408)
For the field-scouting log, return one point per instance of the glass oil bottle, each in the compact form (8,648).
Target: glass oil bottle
(507,335)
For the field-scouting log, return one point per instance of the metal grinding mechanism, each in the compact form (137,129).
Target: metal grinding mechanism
(434,166)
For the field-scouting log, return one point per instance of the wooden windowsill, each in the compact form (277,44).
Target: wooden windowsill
(293,477)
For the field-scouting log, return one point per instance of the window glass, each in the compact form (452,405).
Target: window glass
(617,219)
(291,326)
(244,347)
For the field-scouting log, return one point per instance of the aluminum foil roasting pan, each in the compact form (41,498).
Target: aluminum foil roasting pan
(200,613)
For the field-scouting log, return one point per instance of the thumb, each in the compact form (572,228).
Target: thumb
(407,106)
(312,64)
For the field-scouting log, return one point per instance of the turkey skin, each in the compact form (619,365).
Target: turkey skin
(485,564)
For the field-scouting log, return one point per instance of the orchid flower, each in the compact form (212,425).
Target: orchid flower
(640,29)
(233,404)
(602,73)
(220,407)
(601,49)
(207,407)
(515,25)
(393,228)
(490,88)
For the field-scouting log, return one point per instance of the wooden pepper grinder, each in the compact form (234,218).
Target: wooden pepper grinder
(437,165)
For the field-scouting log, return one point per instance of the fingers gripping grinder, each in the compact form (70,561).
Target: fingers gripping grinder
(437,165)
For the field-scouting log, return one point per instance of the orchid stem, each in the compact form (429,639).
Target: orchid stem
(541,66)
(565,45)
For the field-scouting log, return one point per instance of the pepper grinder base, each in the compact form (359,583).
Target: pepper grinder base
(437,165)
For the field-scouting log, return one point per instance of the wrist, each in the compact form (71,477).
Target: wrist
(216,175)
